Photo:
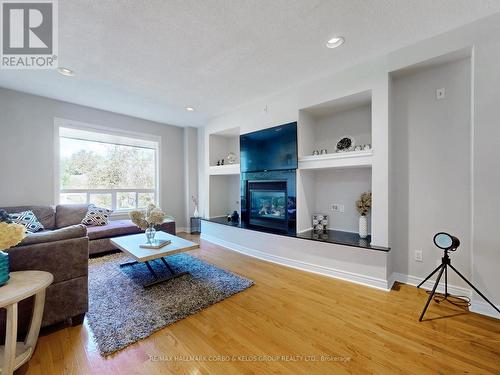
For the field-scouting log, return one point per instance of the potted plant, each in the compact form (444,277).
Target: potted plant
(10,235)
(363,205)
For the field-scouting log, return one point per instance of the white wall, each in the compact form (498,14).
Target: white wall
(27,149)
(486,171)
(432,155)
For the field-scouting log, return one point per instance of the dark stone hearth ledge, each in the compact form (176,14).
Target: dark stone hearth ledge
(330,236)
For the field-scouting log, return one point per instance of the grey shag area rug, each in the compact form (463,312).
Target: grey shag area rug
(122,312)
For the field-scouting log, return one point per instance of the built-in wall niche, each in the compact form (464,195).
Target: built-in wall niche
(322,126)
(222,143)
(319,190)
(224,195)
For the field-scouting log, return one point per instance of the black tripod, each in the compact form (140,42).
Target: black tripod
(443,267)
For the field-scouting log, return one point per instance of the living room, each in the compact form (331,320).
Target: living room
(265,187)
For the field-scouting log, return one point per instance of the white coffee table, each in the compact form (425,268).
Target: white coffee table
(131,246)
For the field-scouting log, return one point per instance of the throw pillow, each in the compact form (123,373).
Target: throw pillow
(96,216)
(28,219)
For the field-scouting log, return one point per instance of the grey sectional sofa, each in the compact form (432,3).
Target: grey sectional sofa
(63,249)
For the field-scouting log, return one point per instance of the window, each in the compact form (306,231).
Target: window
(108,170)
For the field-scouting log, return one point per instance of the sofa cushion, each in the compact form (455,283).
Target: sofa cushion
(113,229)
(46,215)
(27,219)
(73,231)
(96,216)
(70,214)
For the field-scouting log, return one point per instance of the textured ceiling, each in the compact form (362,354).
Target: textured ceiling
(150,59)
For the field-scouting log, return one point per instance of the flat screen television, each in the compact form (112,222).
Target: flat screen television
(270,149)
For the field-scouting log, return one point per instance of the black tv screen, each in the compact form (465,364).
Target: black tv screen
(269,149)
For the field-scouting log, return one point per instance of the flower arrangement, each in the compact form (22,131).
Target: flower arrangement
(10,234)
(148,219)
(364,204)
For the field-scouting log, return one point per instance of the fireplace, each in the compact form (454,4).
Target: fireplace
(268,200)
(268,179)
(268,204)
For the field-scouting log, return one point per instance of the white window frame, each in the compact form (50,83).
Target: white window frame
(65,123)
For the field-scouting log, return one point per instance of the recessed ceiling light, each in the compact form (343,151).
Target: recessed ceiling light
(335,42)
(66,72)
(189,109)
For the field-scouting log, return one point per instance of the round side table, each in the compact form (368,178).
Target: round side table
(22,285)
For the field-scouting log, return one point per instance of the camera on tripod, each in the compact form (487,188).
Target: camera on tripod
(447,242)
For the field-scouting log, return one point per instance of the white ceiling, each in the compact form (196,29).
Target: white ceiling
(151,58)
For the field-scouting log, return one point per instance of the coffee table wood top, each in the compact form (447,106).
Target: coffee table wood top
(130,245)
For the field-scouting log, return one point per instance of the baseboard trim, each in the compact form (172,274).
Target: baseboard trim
(484,308)
(477,306)
(429,284)
(304,266)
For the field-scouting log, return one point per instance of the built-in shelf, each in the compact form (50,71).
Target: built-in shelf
(221,144)
(321,126)
(337,160)
(227,169)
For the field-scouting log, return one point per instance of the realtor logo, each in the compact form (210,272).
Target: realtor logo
(29,34)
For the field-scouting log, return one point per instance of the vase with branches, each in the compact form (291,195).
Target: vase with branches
(364,205)
(195,202)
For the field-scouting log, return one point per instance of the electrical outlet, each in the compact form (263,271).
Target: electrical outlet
(338,207)
(440,93)
(418,256)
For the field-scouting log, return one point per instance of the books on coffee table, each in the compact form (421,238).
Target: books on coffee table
(156,244)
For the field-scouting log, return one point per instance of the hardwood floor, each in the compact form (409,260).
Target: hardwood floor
(300,323)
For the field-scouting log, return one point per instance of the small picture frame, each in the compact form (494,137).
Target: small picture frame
(319,222)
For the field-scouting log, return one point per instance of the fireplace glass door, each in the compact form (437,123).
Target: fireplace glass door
(268,204)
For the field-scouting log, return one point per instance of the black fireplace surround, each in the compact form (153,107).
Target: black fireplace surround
(268,196)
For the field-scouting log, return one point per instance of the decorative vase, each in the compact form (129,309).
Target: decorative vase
(235,217)
(4,268)
(196,213)
(231,158)
(150,233)
(363,226)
